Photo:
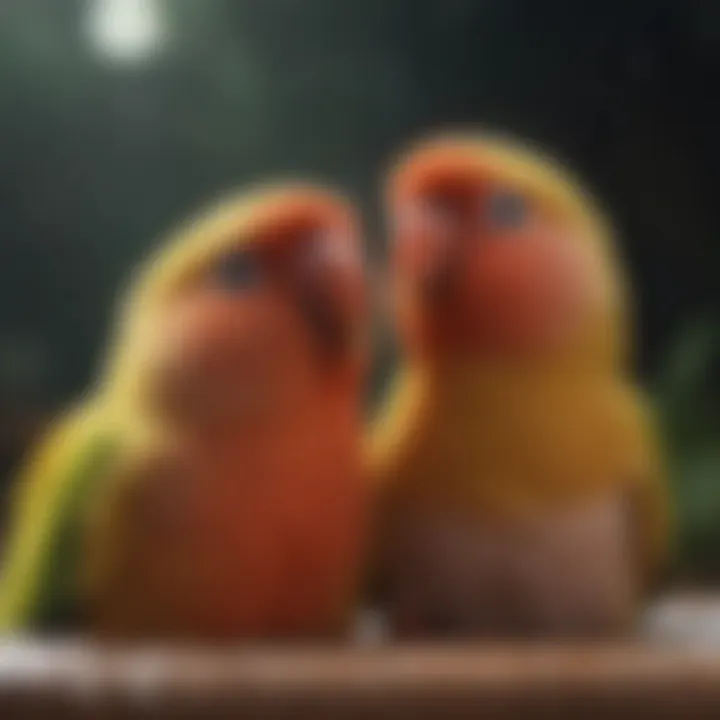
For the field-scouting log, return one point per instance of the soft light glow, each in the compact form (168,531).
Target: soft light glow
(125,30)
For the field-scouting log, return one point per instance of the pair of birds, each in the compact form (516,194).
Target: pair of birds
(217,483)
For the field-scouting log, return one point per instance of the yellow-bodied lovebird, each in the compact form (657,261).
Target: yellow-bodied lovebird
(518,474)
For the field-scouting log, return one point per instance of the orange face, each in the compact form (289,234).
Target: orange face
(274,316)
(484,263)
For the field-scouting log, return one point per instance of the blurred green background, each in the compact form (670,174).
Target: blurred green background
(119,117)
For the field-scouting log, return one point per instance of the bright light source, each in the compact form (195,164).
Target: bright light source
(125,30)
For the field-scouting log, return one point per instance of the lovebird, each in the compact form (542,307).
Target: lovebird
(518,473)
(210,488)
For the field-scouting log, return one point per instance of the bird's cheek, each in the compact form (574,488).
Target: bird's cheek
(525,293)
(231,340)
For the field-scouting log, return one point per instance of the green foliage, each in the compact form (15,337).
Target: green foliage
(687,401)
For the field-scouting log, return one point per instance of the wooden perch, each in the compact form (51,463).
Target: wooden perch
(674,671)
(58,683)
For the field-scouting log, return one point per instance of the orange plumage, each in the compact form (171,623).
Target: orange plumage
(241,514)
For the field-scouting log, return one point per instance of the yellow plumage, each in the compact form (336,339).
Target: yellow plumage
(500,443)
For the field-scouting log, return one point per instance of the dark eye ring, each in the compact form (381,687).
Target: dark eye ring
(238,270)
(506,210)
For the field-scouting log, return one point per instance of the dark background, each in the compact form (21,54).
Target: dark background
(100,155)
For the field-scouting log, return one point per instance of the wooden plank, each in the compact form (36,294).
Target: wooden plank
(508,681)
(672,670)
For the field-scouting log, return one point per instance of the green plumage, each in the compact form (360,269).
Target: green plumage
(39,590)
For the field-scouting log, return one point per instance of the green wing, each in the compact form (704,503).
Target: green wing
(37,591)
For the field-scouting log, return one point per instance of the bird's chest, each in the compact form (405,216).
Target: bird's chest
(508,512)
(261,546)
(561,572)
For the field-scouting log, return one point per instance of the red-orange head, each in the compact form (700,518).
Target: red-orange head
(254,306)
(497,253)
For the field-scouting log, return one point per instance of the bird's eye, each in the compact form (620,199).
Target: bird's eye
(506,210)
(238,270)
